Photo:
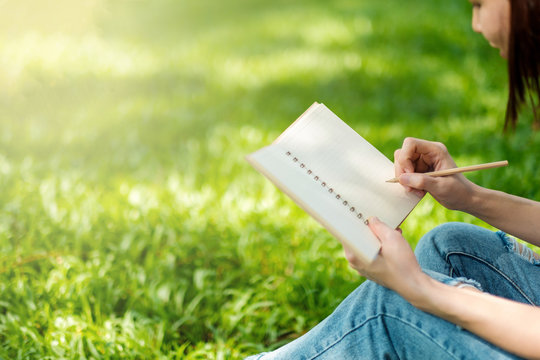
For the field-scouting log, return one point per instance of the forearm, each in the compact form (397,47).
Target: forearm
(509,325)
(517,216)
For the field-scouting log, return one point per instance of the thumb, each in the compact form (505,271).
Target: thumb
(417,181)
(380,229)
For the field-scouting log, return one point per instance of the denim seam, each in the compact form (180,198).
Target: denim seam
(378,316)
(390,338)
(494,268)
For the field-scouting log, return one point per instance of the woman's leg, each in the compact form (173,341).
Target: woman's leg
(376,323)
(490,258)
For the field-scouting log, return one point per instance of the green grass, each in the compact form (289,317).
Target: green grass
(130,225)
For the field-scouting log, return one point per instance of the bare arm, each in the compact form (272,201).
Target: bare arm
(513,214)
(507,324)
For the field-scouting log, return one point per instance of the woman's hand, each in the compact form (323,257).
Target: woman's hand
(395,267)
(515,327)
(418,156)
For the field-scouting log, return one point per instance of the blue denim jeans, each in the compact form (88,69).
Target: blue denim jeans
(376,323)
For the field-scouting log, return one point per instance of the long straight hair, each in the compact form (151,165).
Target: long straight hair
(523,58)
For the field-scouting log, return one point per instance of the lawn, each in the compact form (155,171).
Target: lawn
(131,226)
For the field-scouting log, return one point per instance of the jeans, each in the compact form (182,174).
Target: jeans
(376,323)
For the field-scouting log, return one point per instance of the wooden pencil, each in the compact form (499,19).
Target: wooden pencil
(458,170)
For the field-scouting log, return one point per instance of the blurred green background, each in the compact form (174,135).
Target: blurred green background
(130,225)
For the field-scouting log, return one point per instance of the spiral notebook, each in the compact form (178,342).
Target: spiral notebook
(336,176)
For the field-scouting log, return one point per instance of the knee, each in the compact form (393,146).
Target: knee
(373,299)
(437,241)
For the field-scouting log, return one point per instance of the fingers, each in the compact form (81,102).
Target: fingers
(398,170)
(418,155)
(412,147)
(381,230)
(418,183)
(354,261)
(351,258)
(408,155)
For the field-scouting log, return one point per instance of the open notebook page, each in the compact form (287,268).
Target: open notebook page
(336,176)
(271,162)
(349,164)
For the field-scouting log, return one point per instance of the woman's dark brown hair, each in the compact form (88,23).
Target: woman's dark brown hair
(523,58)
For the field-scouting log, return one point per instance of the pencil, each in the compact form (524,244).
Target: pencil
(458,170)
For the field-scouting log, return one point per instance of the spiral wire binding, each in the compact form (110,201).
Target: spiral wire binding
(327,186)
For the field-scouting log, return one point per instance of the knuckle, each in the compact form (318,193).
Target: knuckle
(441,147)
(408,140)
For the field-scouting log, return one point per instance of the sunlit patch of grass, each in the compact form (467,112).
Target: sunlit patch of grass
(59,55)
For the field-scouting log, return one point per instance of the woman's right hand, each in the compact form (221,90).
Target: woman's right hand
(419,156)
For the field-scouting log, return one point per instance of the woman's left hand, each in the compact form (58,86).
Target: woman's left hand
(395,267)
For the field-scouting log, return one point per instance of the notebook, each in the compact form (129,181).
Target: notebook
(336,176)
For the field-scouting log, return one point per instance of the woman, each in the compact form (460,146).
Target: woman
(468,293)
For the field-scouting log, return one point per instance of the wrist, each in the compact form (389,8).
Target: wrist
(446,301)
(420,293)
(475,199)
